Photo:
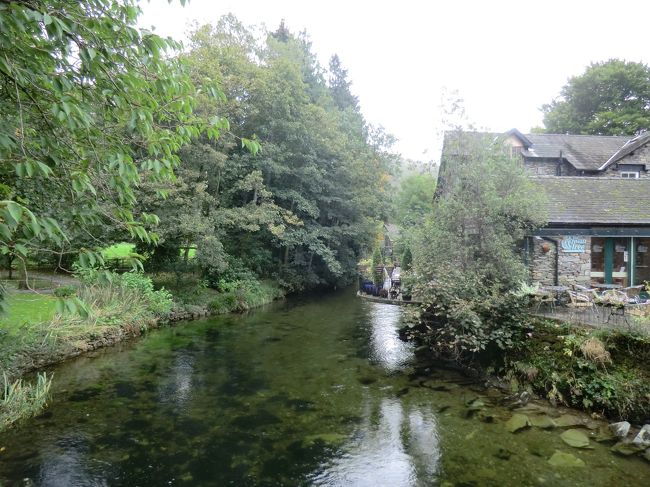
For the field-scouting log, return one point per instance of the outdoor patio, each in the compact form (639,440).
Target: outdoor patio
(624,319)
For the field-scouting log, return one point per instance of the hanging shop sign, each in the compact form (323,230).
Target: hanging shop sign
(574,244)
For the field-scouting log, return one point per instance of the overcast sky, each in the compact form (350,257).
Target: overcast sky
(505,58)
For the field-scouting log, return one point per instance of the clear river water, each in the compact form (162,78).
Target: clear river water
(311,391)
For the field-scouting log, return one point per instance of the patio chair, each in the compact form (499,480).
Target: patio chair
(617,301)
(541,298)
(632,293)
(589,291)
(582,301)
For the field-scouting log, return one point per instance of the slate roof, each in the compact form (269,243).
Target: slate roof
(630,146)
(584,152)
(596,200)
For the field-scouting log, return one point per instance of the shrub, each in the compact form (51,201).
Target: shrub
(466,316)
(65,291)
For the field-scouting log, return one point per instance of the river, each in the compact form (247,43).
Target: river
(310,391)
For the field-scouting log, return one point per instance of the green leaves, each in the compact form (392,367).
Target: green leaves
(251,146)
(94,103)
(609,98)
(72,305)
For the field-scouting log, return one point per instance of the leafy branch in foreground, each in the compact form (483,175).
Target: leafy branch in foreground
(91,107)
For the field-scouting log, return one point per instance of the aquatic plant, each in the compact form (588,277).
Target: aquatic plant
(22,399)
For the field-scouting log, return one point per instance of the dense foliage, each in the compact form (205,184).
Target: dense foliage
(467,261)
(302,209)
(609,98)
(91,107)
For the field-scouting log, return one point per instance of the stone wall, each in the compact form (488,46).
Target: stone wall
(548,168)
(574,267)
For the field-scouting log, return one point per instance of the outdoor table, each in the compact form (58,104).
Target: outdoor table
(556,289)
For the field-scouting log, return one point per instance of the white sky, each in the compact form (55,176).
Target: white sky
(505,58)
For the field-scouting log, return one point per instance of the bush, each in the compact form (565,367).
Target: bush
(115,299)
(158,302)
(466,316)
(65,291)
(243,295)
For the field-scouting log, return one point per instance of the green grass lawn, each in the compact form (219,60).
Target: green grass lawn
(124,250)
(27,308)
(118,251)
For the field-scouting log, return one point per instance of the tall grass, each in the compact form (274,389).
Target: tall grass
(241,296)
(22,400)
(127,300)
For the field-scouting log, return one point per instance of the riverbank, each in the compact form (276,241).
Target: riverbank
(605,373)
(123,308)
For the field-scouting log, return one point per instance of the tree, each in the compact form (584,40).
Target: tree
(486,207)
(301,210)
(407,259)
(91,107)
(377,267)
(609,98)
(414,199)
(466,258)
(340,85)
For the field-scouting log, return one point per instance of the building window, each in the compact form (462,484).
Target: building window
(630,174)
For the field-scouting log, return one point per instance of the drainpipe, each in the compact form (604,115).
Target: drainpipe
(557,258)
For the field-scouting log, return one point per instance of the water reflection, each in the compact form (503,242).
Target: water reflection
(394,445)
(386,349)
(177,388)
(68,465)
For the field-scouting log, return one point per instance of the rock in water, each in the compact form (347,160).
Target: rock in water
(620,429)
(643,437)
(561,459)
(517,422)
(542,421)
(575,438)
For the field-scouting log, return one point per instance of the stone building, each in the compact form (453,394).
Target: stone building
(598,203)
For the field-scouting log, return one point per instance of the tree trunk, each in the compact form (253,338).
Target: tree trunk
(22,275)
(10,261)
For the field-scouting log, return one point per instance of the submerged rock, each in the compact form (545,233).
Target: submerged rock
(620,429)
(542,422)
(562,459)
(605,434)
(626,448)
(568,420)
(575,438)
(503,454)
(643,437)
(517,422)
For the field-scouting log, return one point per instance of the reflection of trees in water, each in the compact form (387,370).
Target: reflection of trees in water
(177,388)
(69,463)
(396,444)
(387,349)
